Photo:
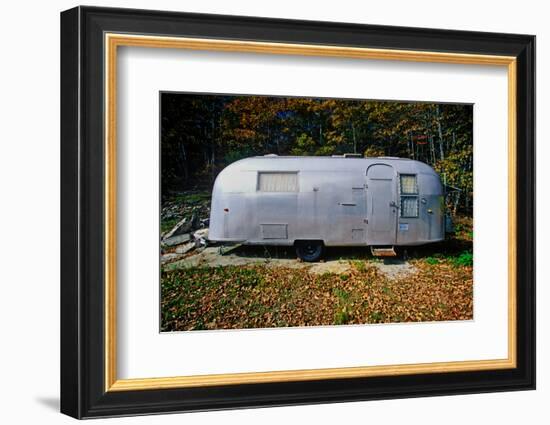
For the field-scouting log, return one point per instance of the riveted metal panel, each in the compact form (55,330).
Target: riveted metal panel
(340,201)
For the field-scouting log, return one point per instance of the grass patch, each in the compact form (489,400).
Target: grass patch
(462,259)
(342,314)
(342,296)
(192,198)
(376,317)
(341,317)
(360,266)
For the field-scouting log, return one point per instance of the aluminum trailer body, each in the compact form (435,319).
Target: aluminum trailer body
(337,201)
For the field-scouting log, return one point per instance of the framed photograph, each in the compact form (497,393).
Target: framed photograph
(261,212)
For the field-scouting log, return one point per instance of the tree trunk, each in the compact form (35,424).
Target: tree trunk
(183,156)
(432,149)
(453,141)
(440,133)
(354,138)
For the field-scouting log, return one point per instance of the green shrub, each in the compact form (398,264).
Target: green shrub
(464,259)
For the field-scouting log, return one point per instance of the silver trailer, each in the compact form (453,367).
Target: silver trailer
(314,202)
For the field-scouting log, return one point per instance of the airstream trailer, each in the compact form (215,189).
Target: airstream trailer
(317,202)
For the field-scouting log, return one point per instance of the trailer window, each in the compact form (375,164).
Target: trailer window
(408,184)
(409,206)
(277,182)
(408,187)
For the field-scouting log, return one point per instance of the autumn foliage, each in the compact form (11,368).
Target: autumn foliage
(201,134)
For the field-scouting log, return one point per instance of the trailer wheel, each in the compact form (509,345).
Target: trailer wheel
(309,251)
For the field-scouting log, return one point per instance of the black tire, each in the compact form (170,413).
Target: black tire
(309,251)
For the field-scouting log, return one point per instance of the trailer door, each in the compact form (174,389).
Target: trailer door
(381,205)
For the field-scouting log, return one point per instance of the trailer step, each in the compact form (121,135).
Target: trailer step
(383,251)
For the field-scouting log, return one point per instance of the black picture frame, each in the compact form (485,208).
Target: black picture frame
(83,392)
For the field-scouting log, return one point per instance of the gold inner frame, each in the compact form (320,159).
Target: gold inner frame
(113,41)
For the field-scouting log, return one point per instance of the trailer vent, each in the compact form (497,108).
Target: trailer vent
(357,235)
(274,231)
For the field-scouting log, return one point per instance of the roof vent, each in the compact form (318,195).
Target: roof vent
(348,155)
(388,157)
(271,154)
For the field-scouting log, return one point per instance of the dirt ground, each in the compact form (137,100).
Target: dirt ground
(337,261)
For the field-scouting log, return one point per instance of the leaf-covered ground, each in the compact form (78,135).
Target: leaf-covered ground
(236,297)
